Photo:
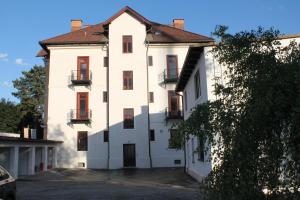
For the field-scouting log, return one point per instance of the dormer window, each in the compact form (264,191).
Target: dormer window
(127,44)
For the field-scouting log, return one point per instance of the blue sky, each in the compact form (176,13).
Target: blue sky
(24,23)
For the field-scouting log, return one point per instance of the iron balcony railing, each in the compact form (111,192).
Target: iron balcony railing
(80,116)
(81,77)
(173,113)
(169,75)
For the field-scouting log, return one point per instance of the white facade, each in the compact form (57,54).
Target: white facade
(108,116)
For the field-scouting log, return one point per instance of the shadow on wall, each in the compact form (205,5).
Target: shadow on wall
(97,153)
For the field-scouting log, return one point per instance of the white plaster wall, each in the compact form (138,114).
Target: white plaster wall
(62,98)
(209,69)
(120,99)
(162,155)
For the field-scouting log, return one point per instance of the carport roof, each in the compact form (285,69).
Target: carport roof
(28,141)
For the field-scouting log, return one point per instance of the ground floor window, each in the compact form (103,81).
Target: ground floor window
(82,141)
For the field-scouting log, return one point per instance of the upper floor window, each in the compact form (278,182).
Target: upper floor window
(172,67)
(150,61)
(197,85)
(104,96)
(173,99)
(151,97)
(105,61)
(82,105)
(127,80)
(128,117)
(201,149)
(82,68)
(185,100)
(127,44)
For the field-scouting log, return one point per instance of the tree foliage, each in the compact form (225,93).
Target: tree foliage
(31,90)
(254,125)
(9,116)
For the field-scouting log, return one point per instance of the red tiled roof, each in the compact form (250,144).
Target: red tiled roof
(96,34)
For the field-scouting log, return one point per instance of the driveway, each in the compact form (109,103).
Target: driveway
(89,184)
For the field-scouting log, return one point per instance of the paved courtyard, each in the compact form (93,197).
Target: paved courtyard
(130,184)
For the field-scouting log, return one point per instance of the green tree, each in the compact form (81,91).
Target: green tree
(30,90)
(9,116)
(254,126)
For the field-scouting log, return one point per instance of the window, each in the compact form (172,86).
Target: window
(127,44)
(105,61)
(197,85)
(172,69)
(185,100)
(171,140)
(200,149)
(150,61)
(82,68)
(82,141)
(82,105)
(173,103)
(128,118)
(105,136)
(104,96)
(151,97)
(152,135)
(127,80)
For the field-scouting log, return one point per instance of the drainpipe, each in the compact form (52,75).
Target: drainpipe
(147,69)
(107,105)
(184,150)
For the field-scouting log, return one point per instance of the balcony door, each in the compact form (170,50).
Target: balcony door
(82,105)
(83,68)
(172,69)
(173,103)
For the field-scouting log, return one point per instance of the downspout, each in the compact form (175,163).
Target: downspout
(147,69)
(107,104)
(184,150)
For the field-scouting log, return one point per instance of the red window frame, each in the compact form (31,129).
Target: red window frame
(126,116)
(170,95)
(87,62)
(84,95)
(127,44)
(168,65)
(127,80)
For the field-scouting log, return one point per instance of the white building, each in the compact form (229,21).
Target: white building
(199,73)
(111,91)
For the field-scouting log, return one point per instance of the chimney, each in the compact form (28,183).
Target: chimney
(178,23)
(76,24)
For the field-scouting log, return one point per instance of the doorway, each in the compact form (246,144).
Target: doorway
(129,155)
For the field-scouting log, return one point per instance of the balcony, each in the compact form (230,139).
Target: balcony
(173,114)
(81,78)
(80,116)
(169,76)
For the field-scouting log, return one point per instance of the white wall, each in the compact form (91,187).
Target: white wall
(209,69)
(62,98)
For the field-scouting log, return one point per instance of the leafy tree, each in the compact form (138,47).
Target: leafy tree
(9,116)
(254,125)
(30,90)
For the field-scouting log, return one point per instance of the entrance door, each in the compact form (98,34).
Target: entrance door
(129,155)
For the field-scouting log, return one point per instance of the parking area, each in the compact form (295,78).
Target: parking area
(89,184)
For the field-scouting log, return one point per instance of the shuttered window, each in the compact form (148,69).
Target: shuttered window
(128,116)
(127,80)
(151,97)
(127,44)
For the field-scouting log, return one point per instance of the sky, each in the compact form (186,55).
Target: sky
(23,23)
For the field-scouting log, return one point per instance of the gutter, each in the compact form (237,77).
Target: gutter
(148,103)
(184,150)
